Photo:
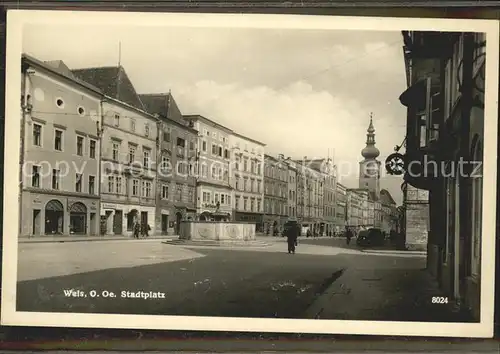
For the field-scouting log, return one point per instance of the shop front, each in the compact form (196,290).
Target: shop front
(50,214)
(119,219)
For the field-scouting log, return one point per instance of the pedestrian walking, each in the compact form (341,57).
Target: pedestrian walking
(137,229)
(348,236)
(292,234)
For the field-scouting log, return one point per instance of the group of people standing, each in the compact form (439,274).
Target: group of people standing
(141,229)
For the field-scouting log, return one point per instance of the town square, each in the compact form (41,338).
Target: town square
(252,172)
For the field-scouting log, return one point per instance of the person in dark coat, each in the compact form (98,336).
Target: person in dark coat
(348,236)
(292,233)
(137,229)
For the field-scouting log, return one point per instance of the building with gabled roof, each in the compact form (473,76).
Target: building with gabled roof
(60,147)
(129,136)
(113,81)
(176,180)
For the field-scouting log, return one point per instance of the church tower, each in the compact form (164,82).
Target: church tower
(369,167)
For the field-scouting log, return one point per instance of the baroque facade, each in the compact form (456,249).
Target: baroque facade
(60,149)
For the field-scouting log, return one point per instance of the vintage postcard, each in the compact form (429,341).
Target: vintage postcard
(263,173)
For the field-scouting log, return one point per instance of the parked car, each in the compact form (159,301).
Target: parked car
(370,237)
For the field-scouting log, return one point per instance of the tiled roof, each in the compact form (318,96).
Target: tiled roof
(113,81)
(162,104)
(56,67)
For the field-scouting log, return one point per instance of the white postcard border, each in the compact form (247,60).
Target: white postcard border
(17,19)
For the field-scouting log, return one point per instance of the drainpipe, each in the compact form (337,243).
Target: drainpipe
(25,109)
(99,130)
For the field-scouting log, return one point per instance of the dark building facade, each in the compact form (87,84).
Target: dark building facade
(275,194)
(445,125)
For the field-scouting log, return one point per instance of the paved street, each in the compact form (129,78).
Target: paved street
(259,282)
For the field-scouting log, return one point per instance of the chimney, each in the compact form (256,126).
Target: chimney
(281,156)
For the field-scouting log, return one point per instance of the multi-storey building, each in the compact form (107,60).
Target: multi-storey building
(292,190)
(446,124)
(59,151)
(128,159)
(214,194)
(327,180)
(176,180)
(275,194)
(355,208)
(309,196)
(247,179)
(341,209)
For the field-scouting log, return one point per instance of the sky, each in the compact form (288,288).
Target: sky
(301,92)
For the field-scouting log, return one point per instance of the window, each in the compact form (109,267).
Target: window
(81,111)
(111,184)
(237,183)
(237,202)
(245,184)
(216,198)
(148,189)
(164,191)
(222,198)
(131,153)
(135,187)
(252,204)
(55,179)
(167,135)
(228,199)
(146,158)
(116,120)
(214,149)
(226,153)
(220,151)
(58,140)
(204,146)
(60,102)
(79,145)
(146,129)
(181,142)
(165,163)
(258,204)
(78,184)
(206,197)
(245,164)
(91,185)
(92,149)
(191,145)
(204,170)
(207,133)
(118,185)
(132,125)
(214,172)
(37,134)
(116,150)
(245,202)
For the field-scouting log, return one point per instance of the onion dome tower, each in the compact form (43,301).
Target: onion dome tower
(369,167)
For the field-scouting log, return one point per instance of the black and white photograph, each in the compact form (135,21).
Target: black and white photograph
(263,173)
